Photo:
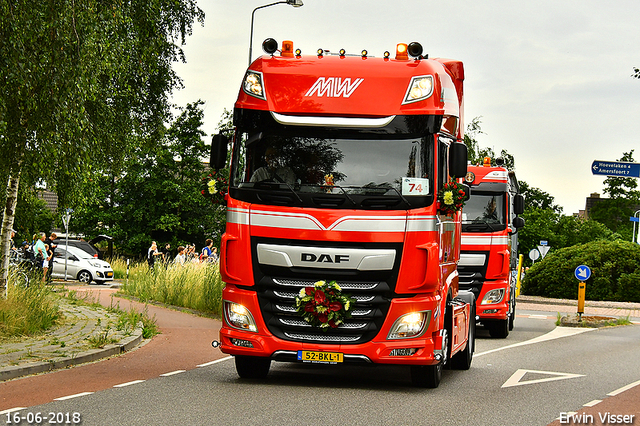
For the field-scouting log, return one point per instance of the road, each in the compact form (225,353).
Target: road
(531,378)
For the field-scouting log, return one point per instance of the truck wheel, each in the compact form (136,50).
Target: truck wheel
(512,315)
(429,376)
(252,367)
(462,360)
(499,329)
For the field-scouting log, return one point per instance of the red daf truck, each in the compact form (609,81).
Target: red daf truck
(336,165)
(490,244)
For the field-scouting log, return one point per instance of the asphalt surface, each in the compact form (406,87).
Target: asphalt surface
(184,343)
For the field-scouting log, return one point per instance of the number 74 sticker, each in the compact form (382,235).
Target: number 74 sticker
(415,186)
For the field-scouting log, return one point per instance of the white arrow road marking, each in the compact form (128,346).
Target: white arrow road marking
(556,333)
(514,380)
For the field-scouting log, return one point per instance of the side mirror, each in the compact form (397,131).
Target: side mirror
(518,204)
(467,191)
(218,157)
(457,160)
(518,222)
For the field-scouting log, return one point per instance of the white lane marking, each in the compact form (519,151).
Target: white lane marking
(556,333)
(64,398)
(11,410)
(214,362)
(172,373)
(135,382)
(624,388)
(592,403)
(537,316)
(514,380)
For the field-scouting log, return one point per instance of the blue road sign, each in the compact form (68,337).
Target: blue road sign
(634,219)
(582,273)
(616,168)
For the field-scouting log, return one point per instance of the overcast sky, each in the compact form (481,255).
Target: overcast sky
(551,80)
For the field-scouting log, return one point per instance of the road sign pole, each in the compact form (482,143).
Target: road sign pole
(581,297)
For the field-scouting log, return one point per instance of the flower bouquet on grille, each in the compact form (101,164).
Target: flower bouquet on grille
(324,305)
(451,198)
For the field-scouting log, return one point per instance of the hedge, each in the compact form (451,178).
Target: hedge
(615,272)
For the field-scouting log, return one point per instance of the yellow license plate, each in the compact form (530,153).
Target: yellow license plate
(320,357)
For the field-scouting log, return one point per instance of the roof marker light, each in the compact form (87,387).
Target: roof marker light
(287,49)
(401,52)
(298,53)
(364,53)
(343,52)
(320,52)
(386,54)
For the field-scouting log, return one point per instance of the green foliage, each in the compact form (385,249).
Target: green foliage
(615,267)
(158,190)
(535,198)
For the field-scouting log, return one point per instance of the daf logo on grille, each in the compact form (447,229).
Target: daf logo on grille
(324,258)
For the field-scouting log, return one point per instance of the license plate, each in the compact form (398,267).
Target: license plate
(320,357)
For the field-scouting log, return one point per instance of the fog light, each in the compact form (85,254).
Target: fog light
(493,296)
(403,352)
(242,343)
(239,317)
(410,325)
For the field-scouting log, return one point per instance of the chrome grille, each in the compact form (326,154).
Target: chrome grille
(344,285)
(322,337)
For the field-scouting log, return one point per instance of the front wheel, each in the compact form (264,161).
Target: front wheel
(84,277)
(429,376)
(252,367)
(499,329)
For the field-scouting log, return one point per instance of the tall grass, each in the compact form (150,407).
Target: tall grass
(194,286)
(27,311)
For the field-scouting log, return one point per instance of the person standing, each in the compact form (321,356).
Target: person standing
(206,250)
(39,249)
(180,257)
(52,249)
(152,253)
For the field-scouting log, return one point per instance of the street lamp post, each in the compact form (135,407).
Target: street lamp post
(294,3)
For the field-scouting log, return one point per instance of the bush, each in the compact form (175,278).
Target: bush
(615,272)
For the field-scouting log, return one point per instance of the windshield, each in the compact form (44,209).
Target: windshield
(349,167)
(484,210)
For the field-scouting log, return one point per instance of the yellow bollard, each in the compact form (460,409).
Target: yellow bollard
(518,276)
(581,296)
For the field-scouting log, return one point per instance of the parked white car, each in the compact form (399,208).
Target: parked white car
(81,266)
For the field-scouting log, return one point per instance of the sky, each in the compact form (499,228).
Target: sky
(550,80)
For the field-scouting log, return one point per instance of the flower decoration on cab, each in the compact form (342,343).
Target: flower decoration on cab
(324,305)
(214,186)
(451,198)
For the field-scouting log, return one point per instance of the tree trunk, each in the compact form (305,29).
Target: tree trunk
(7,225)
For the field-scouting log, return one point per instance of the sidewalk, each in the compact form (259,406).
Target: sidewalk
(68,344)
(86,334)
(568,306)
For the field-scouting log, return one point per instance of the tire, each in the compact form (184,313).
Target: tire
(499,329)
(252,367)
(462,360)
(85,277)
(429,376)
(512,315)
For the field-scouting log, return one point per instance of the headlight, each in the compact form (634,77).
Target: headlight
(95,264)
(239,317)
(410,325)
(419,89)
(252,85)
(493,296)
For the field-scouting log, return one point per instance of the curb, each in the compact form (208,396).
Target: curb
(539,300)
(12,372)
